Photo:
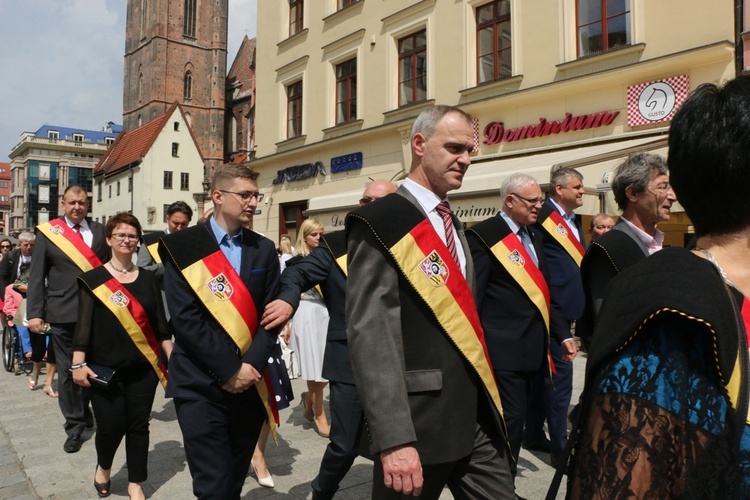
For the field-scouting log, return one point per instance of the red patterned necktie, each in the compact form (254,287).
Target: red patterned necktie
(77,229)
(444,209)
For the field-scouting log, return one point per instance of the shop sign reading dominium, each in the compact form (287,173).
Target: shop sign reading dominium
(495,132)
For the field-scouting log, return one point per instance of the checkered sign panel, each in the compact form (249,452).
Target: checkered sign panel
(656,101)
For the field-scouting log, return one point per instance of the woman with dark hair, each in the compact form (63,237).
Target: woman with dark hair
(121,327)
(665,409)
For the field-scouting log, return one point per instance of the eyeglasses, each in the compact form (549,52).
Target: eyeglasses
(662,188)
(4,246)
(530,201)
(602,226)
(246,196)
(124,236)
(365,200)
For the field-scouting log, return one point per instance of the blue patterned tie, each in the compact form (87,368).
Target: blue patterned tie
(526,240)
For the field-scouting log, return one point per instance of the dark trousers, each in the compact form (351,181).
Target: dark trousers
(483,474)
(346,421)
(515,390)
(123,410)
(219,439)
(73,399)
(550,400)
(39,347)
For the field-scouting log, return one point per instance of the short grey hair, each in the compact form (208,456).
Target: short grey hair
(26,236)
(562,176)
(428,119)
(514,182)
(636,171)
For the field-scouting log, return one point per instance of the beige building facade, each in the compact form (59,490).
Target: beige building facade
(581,83)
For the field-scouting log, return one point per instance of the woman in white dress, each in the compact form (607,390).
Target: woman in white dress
(309,330)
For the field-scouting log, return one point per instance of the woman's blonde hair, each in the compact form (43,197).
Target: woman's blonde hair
(285,244)
(307,227)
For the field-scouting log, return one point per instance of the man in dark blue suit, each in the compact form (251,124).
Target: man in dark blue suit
(513,299)
(218,277)
(564,248)
(326,267)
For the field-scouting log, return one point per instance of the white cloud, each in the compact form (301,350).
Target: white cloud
(63,62)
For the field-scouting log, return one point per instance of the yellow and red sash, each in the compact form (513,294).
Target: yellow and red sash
(131,315)
(225,296)
(512,255)
(152,245)
(70,243)
(735,381)
(429,267)
(561,232)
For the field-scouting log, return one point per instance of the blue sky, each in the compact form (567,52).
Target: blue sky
(61,62)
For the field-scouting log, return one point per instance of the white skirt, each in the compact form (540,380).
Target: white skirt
(309,331)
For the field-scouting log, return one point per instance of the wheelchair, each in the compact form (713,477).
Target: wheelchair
(13,353)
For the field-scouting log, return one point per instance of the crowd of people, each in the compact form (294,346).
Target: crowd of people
(445,349)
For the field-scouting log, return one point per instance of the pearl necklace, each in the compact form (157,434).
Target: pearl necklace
(122,270)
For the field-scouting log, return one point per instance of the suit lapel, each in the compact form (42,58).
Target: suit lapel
(625,228)
(247,256)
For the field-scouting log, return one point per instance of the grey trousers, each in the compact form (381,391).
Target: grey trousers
(73,399)
(485,474)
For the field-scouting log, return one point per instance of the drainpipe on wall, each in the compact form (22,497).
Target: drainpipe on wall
(739,53)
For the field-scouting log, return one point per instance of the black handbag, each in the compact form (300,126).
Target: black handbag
(104,376)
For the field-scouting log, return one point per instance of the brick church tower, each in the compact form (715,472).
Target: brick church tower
(176,50)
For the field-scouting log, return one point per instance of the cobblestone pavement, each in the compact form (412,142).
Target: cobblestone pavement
(33,464)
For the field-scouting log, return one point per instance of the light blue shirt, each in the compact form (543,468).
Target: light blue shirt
(515,228)
(231,247)
(569,218)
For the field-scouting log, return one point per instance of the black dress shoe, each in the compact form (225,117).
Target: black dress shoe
(73,443)
(537,445)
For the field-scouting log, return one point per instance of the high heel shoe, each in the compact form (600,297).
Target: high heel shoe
(102,489)
(308,416)
(266,482)
(33,380)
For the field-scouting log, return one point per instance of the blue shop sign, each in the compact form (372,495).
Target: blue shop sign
(347,162)
(299,172)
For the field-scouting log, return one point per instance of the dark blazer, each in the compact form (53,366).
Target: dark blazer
(320,268)
(9,268)
(564,274)
(415,386)
(606,257)
(146,261)
(204,356)
(514,329)
(53,288)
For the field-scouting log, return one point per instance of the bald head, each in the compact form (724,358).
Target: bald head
(377,189)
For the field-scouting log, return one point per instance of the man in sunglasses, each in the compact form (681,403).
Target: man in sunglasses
(326,267)
(514,299)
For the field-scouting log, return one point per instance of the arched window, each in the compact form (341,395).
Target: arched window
(140,87)
(188,85)
(144,8)
(188,23)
